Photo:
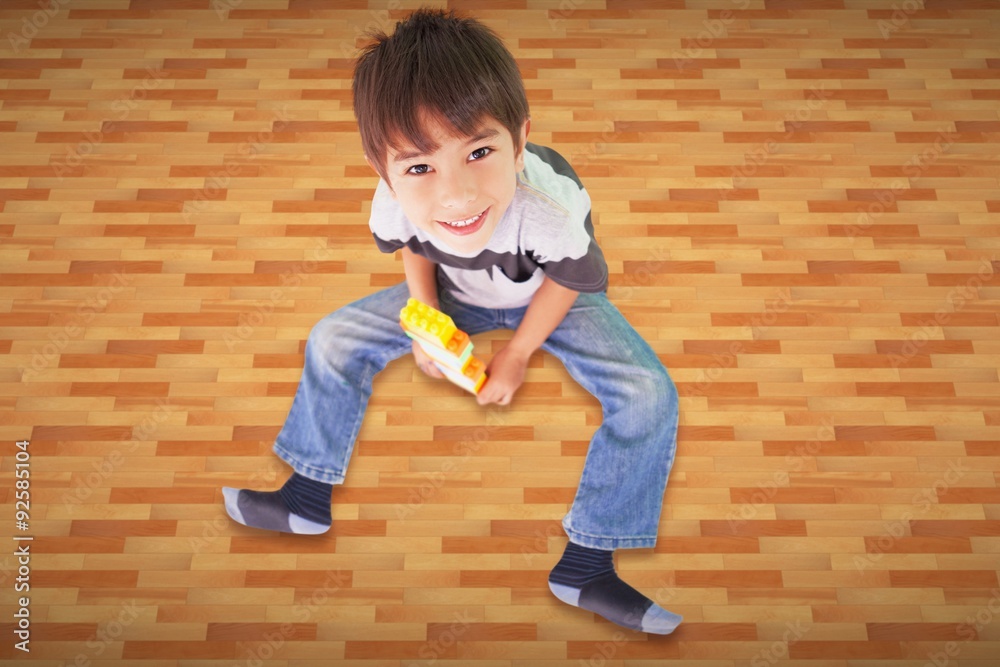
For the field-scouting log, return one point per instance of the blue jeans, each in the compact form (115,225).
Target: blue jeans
(620,496)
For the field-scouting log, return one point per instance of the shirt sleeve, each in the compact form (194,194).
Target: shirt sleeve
(560,232)
(388,225)
(387,245)
(560,237)
(575,261)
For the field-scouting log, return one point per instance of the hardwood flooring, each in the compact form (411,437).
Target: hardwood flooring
(800,208)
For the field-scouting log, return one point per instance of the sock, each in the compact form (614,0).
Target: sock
(301,506)
(586,578)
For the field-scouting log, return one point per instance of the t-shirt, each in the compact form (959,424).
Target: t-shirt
(546,231)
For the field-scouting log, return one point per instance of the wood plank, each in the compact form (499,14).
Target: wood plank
(799,204)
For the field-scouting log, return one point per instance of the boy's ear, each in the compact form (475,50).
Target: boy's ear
(519,160)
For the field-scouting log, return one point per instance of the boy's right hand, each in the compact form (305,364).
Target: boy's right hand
(425,362)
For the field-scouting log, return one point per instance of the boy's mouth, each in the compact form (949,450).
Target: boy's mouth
(465,226)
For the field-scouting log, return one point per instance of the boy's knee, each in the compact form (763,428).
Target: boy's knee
(655,389)
(332,331)
(323,331)
(665,391)
(667,388)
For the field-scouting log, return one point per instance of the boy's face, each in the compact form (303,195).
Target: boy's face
(458,193)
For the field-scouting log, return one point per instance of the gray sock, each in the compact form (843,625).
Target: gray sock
(266,509)
(585,577)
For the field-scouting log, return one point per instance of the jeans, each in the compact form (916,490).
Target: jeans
(620,495)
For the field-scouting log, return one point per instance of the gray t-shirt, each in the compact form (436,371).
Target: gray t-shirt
(546,231)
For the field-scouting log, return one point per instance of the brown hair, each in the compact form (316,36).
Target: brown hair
(456,69)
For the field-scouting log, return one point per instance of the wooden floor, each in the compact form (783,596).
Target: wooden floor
(800,207)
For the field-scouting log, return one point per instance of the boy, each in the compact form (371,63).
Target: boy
(496,232)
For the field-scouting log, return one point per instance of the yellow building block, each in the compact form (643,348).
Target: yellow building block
(446,344)
(430,324)
(456,346)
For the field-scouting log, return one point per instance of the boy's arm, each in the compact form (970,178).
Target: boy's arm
(506,370)
(421,277)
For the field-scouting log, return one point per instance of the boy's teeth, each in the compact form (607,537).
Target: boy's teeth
(464,223)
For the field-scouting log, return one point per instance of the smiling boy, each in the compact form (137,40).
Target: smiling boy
(497,233)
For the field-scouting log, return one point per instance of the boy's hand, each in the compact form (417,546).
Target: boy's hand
(425,362)
(506,373)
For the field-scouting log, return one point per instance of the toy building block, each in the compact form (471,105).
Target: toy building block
(446,344)
(471,378)
(429,325)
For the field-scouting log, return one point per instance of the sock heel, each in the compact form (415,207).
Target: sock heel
(567,594)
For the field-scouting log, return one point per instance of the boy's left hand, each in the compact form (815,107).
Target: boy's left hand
(505,374)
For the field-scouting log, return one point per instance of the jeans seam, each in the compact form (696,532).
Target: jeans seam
(615,538)
(356,427)
(298,466)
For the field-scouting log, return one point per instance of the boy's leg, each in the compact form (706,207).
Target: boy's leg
(343,353)
(620,497)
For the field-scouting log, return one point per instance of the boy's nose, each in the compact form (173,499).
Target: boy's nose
(457,193)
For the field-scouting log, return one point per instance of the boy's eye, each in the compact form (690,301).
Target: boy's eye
(421,169)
